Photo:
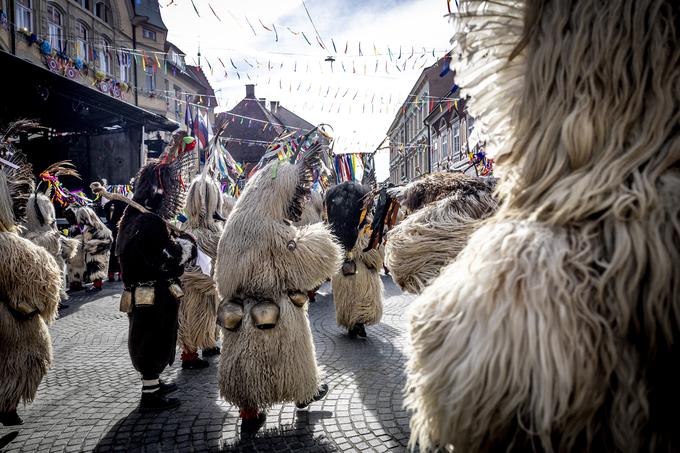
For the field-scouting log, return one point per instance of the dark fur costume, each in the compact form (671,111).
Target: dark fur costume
(150,255)
(114,212)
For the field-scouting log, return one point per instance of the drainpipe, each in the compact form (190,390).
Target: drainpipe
(13,31)
(134,61)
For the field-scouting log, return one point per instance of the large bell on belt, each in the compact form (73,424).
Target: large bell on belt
(229,315)
(265,315)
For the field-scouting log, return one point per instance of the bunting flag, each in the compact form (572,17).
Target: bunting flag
(334,48)
(361,54)
(232,63)
(305,36)
(214,13)
(276,33)
(264,26)
(346,47)
(195,9)
(251,25)
(296,33)
(188,119)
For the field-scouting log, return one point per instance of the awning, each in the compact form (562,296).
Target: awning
(66,105)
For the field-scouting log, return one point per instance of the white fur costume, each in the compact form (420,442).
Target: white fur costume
(261,254)
(556,328)
(30,281)
(198,310)
(444,210)
(41,229)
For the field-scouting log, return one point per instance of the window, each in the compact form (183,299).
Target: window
(150,79)
(445,143)
(178,102)
(149,34)
(83,37)
(456,140)
(102,11)
(24,14)
(124,66)
(435,148)
(55,30)
(84,4)
(104,57)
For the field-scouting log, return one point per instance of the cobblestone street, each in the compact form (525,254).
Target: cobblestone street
(88,399)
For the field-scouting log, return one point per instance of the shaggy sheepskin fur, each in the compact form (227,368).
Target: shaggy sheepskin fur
(313,212)
(41,229)
(96,244)
(262,254)
(431,237)
(554,330)
(198,310)
(358,297)
(228,203)
(30,277)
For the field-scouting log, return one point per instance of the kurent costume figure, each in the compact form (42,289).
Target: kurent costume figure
(96,244)
(357,288)
(30,283)
(113,210)
(557,327)
(198,310)
(75,267)
(443,211)
(41,229)
(152,258)
(265,267)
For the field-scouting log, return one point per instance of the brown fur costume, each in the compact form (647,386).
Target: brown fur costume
(445,209)
(556,328)
(358,297)
(41,229)
(198,310)
(96,243)
(261,255)
(31,279)
(313,212)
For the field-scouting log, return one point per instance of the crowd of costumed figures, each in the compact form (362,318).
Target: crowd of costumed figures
(547,303)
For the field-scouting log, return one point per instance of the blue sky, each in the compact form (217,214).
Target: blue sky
(297,75)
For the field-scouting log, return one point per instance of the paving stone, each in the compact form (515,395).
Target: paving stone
(88,400)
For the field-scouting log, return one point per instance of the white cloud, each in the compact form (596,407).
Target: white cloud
(360,118)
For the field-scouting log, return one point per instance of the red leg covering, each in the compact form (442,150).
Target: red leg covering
(189,355)
(98,283)
(248,414)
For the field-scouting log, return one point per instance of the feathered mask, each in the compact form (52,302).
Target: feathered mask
(57,190)
(16,170)
(161,185)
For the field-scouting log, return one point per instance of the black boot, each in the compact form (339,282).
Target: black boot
(320,394)
(360,330)
(155,401)
(253,425)
(10,418)
(195,364)
(209,352)
(166,388)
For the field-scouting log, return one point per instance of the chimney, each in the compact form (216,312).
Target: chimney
(274,106)
(250,91)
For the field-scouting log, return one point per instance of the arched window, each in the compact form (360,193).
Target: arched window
(55,27)
(104,56)
(83,41)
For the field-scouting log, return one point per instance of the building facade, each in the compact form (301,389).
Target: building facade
(449,127)
(253,123)
(118,46)
(409,136)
